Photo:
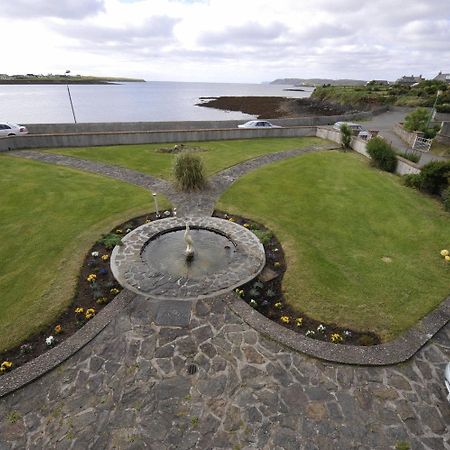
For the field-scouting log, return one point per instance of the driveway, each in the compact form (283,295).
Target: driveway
(385,124)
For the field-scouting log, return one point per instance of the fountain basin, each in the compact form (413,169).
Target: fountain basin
(151,260)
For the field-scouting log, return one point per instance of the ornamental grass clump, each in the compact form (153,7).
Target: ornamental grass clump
(189,172)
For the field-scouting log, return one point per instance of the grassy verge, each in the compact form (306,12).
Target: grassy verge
(49,218)
(362,249)
(216,156)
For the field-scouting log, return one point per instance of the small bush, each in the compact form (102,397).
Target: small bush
(110,240)
(417,120)
(189,172)
(264,236)
(446,199)
(412,180)
(434,177)
(346,136)
(414,157)
(382,154)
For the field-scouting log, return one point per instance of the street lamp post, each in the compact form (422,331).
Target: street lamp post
(70,99)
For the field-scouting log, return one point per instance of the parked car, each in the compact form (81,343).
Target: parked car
(258,124)
(12,129)
(355,127)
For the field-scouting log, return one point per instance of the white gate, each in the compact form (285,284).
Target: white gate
(422,144)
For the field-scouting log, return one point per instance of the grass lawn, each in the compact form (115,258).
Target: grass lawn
(218,155)
(49,218)
(362,249)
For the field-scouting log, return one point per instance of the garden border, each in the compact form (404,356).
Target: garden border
(39,366)
(392,352)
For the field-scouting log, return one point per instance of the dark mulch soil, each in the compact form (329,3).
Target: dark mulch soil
(88,295)
(267,296)
(276,107)
(264,293)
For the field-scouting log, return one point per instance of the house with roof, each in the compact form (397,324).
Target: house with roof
(410,80)
(442,77)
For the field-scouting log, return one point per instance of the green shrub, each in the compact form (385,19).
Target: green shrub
(414,157)
(446,199)
(189,172)
(264,236)
(110,240)
(417,120)
(434,177)
(382,154)
(412,180)
(346,136)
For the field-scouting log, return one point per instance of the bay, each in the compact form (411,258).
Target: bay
(127,102)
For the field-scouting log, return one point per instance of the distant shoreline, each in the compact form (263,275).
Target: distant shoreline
(69,80)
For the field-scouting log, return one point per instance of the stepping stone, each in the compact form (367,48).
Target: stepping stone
(174,313)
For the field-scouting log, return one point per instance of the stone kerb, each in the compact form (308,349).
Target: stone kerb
(141,277)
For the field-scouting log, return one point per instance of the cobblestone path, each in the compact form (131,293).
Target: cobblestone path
(217,384)
(130,388)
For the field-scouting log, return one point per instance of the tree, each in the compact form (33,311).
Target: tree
(346,136)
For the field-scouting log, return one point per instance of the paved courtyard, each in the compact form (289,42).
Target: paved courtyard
(210,381)
(132,387)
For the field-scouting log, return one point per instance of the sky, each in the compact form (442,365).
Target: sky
(247,41)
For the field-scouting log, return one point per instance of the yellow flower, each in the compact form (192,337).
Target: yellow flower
(246,225)
(447,258)
(105,257)
(90,313)
(299,321)
(91,277)
(336,337)
(276,264)
(114,291)
(444,253)
(58,329)
(5,365)
(79,310)
(284,319)
(231,219)
(278,305)
(119,231)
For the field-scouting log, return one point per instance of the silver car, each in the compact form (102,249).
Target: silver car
(12,129)
(258,124)
(447,380)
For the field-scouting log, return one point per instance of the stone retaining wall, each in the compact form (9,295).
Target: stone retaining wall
(404,166)
(444,135)
(406,136)
(31,141)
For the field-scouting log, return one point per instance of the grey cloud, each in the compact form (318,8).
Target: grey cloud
(249,33)
(66,9)
(155,28)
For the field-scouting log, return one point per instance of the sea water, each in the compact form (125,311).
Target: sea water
(127,102)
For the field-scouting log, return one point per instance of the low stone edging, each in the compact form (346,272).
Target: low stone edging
(393,352)
(39,366)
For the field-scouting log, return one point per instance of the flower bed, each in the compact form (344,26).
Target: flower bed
(96,287)
(265,294)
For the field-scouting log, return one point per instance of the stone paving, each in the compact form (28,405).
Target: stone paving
(213,382)
(130,388)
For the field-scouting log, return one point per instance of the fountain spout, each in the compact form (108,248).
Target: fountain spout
(189,252)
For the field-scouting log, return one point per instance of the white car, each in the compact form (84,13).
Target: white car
(355,127)
(12,129)
(258,124)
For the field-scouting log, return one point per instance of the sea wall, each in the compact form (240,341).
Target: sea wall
(114,127)
(93,139)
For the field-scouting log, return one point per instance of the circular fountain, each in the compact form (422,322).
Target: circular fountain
(187,258)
